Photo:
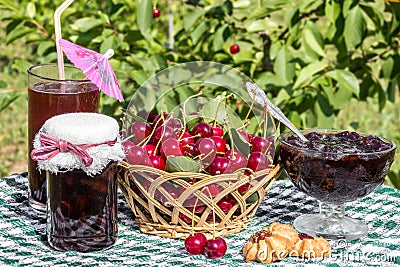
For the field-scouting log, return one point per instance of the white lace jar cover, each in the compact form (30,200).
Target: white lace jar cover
(86,141)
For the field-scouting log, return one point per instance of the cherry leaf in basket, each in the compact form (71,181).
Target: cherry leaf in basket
(182,164)
(252,199)
(193,120)
(240,143)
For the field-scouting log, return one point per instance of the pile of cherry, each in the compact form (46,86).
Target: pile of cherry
(151,142)
(161,138)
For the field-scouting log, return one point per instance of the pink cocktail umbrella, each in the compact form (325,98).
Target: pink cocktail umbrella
(96,67)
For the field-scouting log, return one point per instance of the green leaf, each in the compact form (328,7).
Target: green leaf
(341,98)
(109,43)
(30,10)
(308,72)
(10,4)
(388,70)
(86,24)
(382,97)
(252,199)
(3,84)
(394,178)
(43,46)
(192,18)
(238,141)
(348,81)
(18,32)
(220,37)
(144,17)
(332,10)
(313,40)
(261,25)
(241,4)
(354,28)
(21,65)
(192,120)
(283,67)
(6,100)
(324,112)
(199,31)
(182,164)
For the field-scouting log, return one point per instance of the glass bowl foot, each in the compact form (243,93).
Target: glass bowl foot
(331,227)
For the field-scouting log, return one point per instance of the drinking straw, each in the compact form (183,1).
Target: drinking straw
(57,29)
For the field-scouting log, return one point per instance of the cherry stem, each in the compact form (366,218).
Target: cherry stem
(251,107)
(265,123)
(231,141)
(194,209)
(212,203)
(184,105)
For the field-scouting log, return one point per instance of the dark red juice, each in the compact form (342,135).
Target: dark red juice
(82,210)
(45,101)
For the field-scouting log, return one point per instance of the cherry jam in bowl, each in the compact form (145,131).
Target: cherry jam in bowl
(336,166)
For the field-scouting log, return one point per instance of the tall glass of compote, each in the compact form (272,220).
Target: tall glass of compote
(335,167)
(48,96)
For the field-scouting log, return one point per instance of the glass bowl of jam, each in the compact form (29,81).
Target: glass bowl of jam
(335,167)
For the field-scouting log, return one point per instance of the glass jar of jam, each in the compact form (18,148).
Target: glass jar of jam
(80,153)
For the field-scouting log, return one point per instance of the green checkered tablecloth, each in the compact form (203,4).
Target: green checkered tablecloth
(22,242)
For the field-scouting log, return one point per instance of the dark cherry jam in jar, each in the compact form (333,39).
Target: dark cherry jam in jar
(79,153)
(82,210)
(336,166)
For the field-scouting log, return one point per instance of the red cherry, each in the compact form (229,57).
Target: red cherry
(140,130)
(160,119)
(186,138)
(245,135)
(156,13)
(188,150)
(202,130)
(260,144)
(206,150)
(234,49)
(215,248)
(185,218)
(212,189)
(164,199)
(243,188)
(257,161)
(190,205)
(163,133)
(194,244)
(122,134)
(238,160)
(220,143)
(220,165)
(150,149)
(225,205)
(231,199)
(171,147)
(137,155)
(157,162)
(218,130)
(128,145)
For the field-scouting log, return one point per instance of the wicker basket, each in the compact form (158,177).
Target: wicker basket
(147,191)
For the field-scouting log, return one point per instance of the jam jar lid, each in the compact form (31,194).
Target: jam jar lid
(86,141)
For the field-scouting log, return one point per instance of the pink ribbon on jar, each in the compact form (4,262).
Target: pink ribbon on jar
(52,146)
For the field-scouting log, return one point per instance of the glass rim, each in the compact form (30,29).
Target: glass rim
(29,70)
(307,150)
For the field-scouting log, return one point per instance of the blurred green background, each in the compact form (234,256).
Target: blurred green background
(326,64)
